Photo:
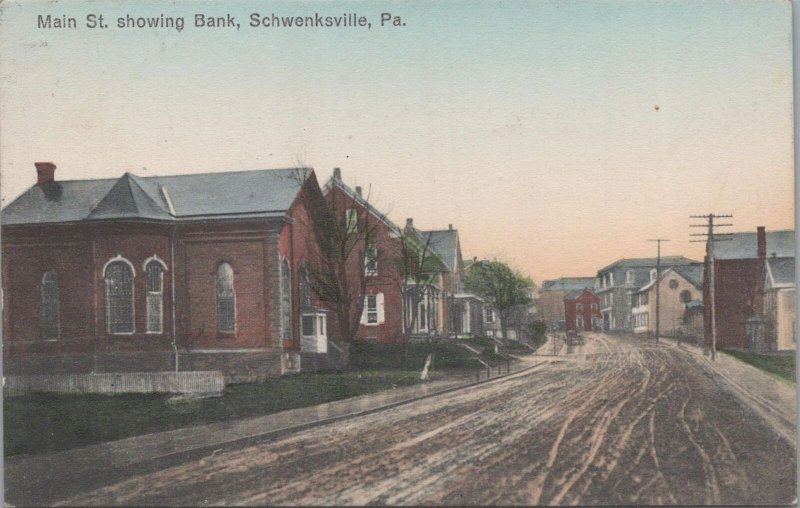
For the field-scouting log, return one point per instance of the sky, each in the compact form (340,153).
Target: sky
(555,135)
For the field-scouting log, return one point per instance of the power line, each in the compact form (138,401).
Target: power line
(658,282)
(711,239)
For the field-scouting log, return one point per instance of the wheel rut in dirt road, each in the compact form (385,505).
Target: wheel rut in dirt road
(615,422)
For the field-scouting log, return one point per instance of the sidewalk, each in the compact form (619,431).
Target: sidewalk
(774,399)
(44,479)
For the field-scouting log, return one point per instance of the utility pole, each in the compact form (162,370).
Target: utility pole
(658,282)
(711,238)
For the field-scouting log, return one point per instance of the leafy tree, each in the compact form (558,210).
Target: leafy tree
(501,286)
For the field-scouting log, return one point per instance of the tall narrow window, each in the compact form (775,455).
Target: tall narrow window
(305,289)
(371,261)
(371,308)
(351,220)
(154,272)
(49,307)
(286,298)
(226,299)
(119,297)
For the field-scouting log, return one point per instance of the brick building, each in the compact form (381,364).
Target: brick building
(582,311)
(393,309)
(550,307)
(740,264)
(195,272)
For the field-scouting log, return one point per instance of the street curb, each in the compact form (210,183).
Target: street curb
(59,488)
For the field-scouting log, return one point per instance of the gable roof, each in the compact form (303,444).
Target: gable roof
(745,245)
(573,295)
(567,284)
(258,193)
(693,274)
(781,271)
(358,198)
(444,243)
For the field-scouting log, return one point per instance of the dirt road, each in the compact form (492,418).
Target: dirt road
(613,422)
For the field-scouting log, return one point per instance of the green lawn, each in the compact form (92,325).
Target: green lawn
(38,423)
(782,366)
(377,355)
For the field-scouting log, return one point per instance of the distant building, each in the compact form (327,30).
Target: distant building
(740,265)
(550,305)
(679,288)
(780,308)
(582,311)
(618,283)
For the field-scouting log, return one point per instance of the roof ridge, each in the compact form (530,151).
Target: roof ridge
(159,206)
(206,173)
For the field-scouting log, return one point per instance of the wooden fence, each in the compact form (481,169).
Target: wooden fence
(207,382)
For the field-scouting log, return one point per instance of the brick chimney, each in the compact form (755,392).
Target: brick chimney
(337,173)
(450,227)
(358,190)
(45,172)
(761,236)
(409,222)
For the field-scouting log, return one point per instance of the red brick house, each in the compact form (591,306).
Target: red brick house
(189,272)
(582,311)
(392,309)
(739,280)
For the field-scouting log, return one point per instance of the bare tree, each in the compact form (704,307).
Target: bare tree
(341,230)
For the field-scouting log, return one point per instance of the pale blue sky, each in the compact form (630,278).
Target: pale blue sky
(531,126)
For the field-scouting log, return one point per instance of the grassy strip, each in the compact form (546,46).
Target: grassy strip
(782,366)
(376,355)
(39,423)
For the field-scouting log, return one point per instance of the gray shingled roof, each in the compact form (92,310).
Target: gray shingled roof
(693,273)
(745,245)
(258,193)
(444,243)
(647,262)
(572,295)
(568,284)
(358,198)
(782,270)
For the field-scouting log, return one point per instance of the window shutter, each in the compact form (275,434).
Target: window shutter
(380,308)
(364,311)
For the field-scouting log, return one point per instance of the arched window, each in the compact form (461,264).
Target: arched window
(305,287)
(49,307)
(118,276)
(226,299)
(154,271)
(286,298)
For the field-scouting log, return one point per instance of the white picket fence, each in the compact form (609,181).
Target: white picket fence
(206,382)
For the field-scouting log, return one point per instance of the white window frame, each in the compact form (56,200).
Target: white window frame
(111,261)
(217,297)
(43,305)
(629,277)
(378,310)
(287,328)
(152,294)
